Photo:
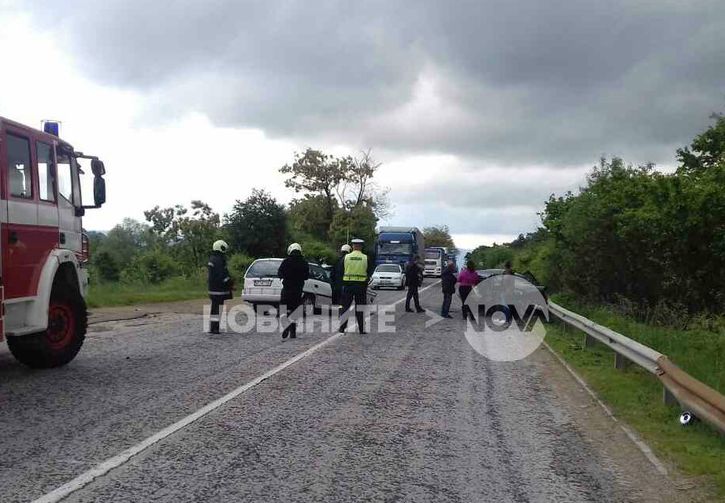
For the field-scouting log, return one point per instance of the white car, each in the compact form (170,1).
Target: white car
(388,275)
(262,286)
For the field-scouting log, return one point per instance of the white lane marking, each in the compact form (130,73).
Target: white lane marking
(106,466)
(636,440)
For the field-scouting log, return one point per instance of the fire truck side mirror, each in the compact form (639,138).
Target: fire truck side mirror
(99,190)
(98,168)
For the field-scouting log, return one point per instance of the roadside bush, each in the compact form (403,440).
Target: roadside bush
(151,267)
(237,265)
(654,238)
(105,266)
(492,257)
(317,251)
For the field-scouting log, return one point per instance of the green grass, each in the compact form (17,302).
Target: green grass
(636,396)
(121,294)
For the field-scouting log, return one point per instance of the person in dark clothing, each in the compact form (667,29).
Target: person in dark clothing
(219,283)
(507,288)
(336,274)
(448,285)
(507,268)
(294,271)
(414,278)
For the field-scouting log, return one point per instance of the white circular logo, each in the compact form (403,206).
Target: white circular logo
(507,316)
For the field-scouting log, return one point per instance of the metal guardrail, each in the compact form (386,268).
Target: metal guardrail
(704,402)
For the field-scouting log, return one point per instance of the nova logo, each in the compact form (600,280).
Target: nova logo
(499,317)
(507,318)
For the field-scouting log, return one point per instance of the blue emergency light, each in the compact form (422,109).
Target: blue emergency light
(52,127)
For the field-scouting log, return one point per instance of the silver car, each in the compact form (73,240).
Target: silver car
(262,286)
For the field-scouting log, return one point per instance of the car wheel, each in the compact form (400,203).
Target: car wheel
(308,299)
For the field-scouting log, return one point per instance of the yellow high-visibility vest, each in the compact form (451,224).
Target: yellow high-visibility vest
(356,267)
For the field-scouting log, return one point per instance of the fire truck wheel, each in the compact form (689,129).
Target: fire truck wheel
(60,343)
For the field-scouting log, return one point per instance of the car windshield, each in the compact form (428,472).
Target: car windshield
(433,254)
(318,273)
(485,273)
(263,269)
(395,248)
(388,268)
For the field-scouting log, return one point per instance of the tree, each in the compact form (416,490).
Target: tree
(439,236)
(316,173)
(358,222)
(125,241)
(648,237)
(257,226)
(317,251)
(706,150)
(308,216)
(491,257)
(150,267)
(106,266)
(332,185)
(187,235)
(198,231)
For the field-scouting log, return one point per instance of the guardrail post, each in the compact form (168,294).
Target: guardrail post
(589,341)
(668,398)
(620,362)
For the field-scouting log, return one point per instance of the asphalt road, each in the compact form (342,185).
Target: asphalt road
(414,415)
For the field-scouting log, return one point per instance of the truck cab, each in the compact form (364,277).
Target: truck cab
(435,261)
(399,245)
(43,250)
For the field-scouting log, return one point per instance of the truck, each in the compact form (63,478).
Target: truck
(44,251)
(436,258)
(399,245)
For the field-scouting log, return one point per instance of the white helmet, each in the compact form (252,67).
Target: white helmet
(294,247)
(345,248)
(220,246)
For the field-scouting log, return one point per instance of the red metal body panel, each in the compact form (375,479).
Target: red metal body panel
(24,260)
(25,245)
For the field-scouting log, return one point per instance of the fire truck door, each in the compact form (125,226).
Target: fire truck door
(20,236)
(68,199)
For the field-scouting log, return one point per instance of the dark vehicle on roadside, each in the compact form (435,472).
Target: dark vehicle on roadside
(520,289)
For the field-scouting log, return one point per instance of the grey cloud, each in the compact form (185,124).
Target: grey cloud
(558,82)
(467,220)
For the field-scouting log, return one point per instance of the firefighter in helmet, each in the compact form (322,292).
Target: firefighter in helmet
(293,271)
(336,274)
(220,283)
(355,283)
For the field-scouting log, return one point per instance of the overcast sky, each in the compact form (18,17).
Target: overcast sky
(478,110)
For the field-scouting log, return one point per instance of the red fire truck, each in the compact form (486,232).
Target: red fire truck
(43,249)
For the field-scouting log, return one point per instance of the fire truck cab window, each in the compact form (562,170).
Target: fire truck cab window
(20,173)
(65,177)
(46,172)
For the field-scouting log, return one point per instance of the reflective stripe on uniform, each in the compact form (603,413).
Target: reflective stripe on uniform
(219,293)
(356,267)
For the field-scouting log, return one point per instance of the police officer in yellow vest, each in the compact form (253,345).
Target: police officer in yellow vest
(355,283)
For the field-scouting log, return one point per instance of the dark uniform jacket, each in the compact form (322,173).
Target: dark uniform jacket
(413,274)
(219,281)
(337,272)
(448,281)
(294,271)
